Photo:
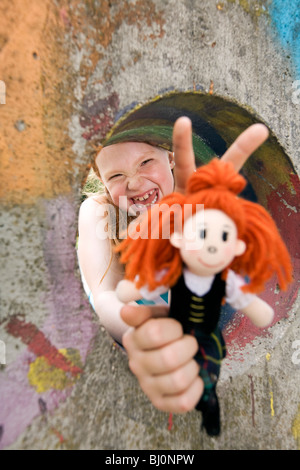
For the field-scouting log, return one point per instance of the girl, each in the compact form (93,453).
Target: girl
(160,354)
(219,231)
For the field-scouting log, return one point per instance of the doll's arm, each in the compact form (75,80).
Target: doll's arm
(127,292)
(259,312)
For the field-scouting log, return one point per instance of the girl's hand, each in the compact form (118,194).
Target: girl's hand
(238,152)
(161,357)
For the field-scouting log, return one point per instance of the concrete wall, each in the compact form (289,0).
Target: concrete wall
(68,69)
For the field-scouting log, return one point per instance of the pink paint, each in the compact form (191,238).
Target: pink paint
(97,118)
(287,217)
(252,400)
(69,324)
(64,17)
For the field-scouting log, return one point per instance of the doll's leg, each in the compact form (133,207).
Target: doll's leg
(210,354)
(212,350)
(209,405)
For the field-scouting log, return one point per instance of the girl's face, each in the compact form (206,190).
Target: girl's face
(209,242)
(135,174)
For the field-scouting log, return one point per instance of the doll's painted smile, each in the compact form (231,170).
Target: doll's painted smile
(210,265)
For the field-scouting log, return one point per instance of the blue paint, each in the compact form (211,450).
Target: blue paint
(286,20)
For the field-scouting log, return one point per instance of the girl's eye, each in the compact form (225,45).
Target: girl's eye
(225,236)
(114,176)
(146,161)
(202,234)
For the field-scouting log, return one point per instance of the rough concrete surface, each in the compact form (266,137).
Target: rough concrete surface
(68,70)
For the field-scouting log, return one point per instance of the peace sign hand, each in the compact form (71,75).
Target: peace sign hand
(238,152)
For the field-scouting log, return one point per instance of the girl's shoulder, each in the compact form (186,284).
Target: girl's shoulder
(90,206)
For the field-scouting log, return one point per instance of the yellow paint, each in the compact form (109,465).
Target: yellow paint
(257,9)
(271,398)
(296,428)
(42,376)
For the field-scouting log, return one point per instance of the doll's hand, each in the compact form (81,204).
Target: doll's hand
(246,143)
(259,312)
(161,357)
(127,292)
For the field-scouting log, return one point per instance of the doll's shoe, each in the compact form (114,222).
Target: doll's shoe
(210,415)
(211,422)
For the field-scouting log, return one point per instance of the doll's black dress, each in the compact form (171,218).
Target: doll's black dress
(199,317)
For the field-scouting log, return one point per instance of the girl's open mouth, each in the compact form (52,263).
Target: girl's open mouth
(145,200)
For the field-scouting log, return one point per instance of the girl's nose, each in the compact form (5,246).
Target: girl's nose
(212,249)
(134,182)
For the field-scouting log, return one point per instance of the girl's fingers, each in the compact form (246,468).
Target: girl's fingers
(136,315)
(184,153)
(163,360)
(245,145)
(153,334)
(183,402)
(176,382)
(238,153)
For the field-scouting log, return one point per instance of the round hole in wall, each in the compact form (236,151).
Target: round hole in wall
(272,180)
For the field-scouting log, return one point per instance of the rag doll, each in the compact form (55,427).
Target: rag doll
(202,245)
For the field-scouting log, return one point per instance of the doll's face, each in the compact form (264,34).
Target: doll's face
(209,242)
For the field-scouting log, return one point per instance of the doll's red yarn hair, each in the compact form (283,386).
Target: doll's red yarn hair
(216,185)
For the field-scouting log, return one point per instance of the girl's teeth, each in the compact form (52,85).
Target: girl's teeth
(153,202)
(143,198)
(146,197)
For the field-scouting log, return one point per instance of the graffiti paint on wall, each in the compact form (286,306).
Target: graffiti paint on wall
(54,353)
(39,168)
(286,21)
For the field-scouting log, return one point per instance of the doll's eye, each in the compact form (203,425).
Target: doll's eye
(225,236)
(202,234)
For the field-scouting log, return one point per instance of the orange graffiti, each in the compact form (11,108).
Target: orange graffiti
(33,144)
